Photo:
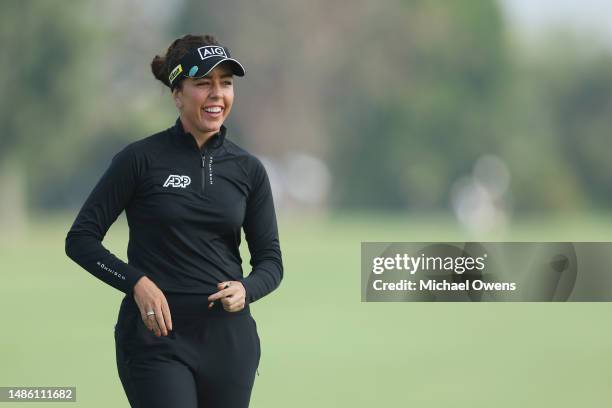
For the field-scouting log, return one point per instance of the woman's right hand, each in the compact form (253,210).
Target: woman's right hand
(149,297)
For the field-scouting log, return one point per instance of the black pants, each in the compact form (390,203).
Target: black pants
(208,360)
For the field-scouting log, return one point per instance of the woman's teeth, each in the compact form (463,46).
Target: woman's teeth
(215,109)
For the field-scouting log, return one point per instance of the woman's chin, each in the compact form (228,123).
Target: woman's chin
(210,126)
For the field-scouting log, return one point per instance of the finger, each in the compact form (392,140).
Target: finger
(236,307)
(147,319)
(231,299)
(166,313)
(231,293)
(159,316)
(226,302)
(214,297)
(151,323)
(224,285)
(232,303)
(232,290)
(220,294)
(236,302)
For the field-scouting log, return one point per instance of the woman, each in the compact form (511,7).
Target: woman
(184,335)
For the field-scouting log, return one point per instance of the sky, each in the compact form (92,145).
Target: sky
(588,19)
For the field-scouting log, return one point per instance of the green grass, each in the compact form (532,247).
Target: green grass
(320,345)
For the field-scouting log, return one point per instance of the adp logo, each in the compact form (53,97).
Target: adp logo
(175,180)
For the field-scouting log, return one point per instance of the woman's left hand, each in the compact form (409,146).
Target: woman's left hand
(232,295)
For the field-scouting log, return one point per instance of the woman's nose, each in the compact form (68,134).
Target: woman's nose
(215,91)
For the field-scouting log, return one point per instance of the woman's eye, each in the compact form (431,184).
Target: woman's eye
(228,83)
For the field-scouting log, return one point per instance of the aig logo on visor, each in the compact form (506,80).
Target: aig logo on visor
(175,180)
(211,51)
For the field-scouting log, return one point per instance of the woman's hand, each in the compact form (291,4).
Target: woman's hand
(232,295)
(149,297)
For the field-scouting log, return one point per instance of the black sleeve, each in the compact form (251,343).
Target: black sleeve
(106,201)
(261,233)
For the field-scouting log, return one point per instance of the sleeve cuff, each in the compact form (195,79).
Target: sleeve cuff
(132,277)
(247,286)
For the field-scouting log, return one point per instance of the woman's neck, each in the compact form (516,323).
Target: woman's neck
(200,137)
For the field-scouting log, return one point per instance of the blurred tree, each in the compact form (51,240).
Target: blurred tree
(581,102)
(542,178)
(416,98)
(44,78)
(72,97)
(399,98)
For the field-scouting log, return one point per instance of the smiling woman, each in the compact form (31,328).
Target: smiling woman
(205,102)
(185,336)
(201,84)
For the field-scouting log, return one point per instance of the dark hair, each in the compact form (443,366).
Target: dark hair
(161,65)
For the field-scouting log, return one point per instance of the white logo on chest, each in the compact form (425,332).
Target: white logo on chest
(175,180)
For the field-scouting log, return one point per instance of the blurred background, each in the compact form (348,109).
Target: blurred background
(377,121)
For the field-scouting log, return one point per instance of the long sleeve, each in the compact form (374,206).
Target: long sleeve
(106,201)
(261,233)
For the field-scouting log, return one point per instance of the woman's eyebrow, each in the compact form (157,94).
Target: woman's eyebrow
(210,77)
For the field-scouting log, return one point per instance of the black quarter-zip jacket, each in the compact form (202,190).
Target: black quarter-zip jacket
(185,208)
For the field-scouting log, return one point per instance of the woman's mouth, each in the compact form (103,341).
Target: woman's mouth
(213,111)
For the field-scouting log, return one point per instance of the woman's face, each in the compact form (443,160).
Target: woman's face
(206,102)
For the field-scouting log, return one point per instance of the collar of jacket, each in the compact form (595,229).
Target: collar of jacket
(187,139)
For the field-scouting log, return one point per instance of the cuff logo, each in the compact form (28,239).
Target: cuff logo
(175,180)
(107,269)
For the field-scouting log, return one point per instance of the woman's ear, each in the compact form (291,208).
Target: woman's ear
(177,99)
